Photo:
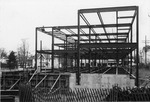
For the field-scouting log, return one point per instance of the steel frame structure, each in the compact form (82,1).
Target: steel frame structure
(115,39)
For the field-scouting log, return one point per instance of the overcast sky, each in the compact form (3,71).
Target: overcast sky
(18,18)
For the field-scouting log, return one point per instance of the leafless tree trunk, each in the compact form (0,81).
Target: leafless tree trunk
(23,53)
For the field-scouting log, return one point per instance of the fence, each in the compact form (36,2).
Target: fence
(27,94)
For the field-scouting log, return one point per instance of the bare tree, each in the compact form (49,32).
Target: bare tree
(23,50)
(3,52)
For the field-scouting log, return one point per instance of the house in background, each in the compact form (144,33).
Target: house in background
(25,63)
(3,62)
(29,62)
(44,61)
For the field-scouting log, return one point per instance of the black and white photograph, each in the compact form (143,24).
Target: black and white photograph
(74,50)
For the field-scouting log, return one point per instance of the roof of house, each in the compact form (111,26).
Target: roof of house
(45,56)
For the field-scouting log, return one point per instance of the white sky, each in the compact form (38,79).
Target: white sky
(18,18)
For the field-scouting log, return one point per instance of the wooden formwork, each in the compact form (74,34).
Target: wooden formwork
(84,94)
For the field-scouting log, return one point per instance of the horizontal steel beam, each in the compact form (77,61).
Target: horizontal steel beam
(112,39)
(109,9)
(108,45)
(123,17)
(100,34)
(44,52)
(124,29)
(93,26)
(83,51)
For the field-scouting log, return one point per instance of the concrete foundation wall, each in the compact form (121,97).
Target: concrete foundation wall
(101,81)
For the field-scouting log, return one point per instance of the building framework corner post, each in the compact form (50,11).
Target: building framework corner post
(137,52)
(78,51)
(36,68)
(131,58)
(36,36)
(52,63)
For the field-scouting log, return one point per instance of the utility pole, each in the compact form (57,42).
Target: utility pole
(146,41)
(145,51)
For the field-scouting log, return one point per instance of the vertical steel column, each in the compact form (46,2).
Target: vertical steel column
(89,50)
(117,59)
(78,50)
(36,37)
(117,24)
(40,55)
(95,60)
(128,57)
(137,52)
(75,59)
(96,51)
(59,60)
(89,35)
(81,61)
(131,53)
(72,62)
(66,55)
(36,48)
(99,60)
(85,62)
(52,50)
